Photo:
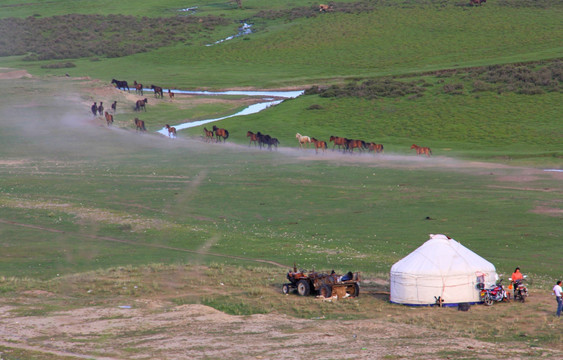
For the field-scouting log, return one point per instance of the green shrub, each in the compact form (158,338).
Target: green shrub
(61,65)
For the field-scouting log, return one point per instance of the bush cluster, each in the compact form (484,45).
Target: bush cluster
(313,10)
(60,65)
(453,89)
(372,89)
(526,79)
(361,7)
(77,36)
(523,79)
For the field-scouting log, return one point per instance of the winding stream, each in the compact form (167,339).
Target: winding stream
(270,98)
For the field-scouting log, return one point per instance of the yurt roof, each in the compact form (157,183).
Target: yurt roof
(441,255)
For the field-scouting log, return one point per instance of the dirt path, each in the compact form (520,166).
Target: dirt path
(152,330)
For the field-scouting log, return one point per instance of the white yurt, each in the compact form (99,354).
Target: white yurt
(441,268)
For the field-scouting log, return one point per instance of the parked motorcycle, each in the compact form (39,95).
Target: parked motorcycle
(492,294)
(520,290)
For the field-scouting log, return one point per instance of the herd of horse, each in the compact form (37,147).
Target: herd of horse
(343,144)
(258,139)
(216,134)
(262,140)
(158,91)
(348,145)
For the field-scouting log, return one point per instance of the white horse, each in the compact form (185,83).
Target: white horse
(303,140)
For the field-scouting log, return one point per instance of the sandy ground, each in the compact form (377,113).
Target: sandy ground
(6,73)
(154,330)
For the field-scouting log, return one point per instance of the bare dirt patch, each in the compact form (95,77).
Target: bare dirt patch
(548,211)
(146,328)
(13,74)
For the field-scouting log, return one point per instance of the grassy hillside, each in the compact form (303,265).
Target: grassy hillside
(109,196)
(296,45)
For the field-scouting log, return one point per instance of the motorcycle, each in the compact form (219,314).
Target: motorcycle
(492,294)
(520,290)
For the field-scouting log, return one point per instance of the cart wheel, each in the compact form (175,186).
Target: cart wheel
(353,290)
(285,289)
(303,288)
(325,291)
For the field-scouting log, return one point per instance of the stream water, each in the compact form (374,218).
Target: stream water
(270,98)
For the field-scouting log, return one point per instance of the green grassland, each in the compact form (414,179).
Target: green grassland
(392,38)
(166,198)
(78,198)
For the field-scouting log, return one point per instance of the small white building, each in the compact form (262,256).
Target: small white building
(441,267)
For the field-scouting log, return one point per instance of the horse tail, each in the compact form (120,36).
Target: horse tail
(226,134)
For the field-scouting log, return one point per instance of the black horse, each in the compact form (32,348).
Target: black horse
(101,108)
(267,140)
(120,84)
(94,109)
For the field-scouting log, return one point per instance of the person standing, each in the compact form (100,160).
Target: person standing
(557,292)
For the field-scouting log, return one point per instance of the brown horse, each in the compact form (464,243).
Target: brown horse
(141,104)
(421,150)
(157,91)
(303,140)
(338,141)
(114,106)
(140,124)
(376,148)
(319,144)
(220,133)
(171,130)
(109,118)
(138,87)
(355,144)
(208,135)
(170,94)
(253,138)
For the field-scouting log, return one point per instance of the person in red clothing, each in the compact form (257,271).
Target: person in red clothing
(517,275)
(517,278)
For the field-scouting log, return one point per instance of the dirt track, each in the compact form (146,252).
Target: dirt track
(154,330)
